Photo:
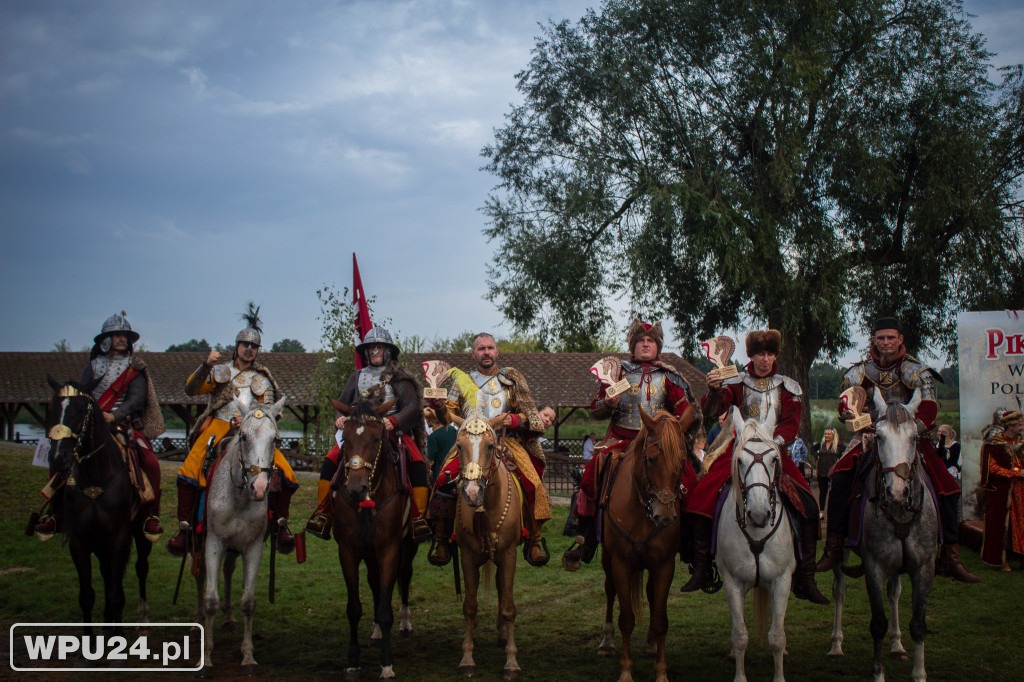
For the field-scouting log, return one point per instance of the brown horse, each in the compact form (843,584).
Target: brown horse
(488,528)
(641,532)
(371,511)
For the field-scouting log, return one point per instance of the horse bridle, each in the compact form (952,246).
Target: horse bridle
(908,473)
(61,431)
(357,462)
(473,471)
(775,520)
(250,469)
(665,496)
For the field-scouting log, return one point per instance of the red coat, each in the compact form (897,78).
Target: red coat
(1004,500)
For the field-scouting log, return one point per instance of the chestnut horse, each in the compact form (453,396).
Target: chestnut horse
(371,512)
(488,528)
(641,532)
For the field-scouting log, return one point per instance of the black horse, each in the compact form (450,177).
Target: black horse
(101,509)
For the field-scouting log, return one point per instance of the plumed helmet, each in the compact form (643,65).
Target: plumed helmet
(254,327)
(638,330)
(377,335)
(762,340)
(115,324)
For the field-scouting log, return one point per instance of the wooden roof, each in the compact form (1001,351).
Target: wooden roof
(561,379)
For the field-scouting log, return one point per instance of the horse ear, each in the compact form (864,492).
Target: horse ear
(647,419)
(382,410)
(458,421)
(685,420)
(879,401)
(495,422)
(341,407)
(277,408)
(769,423)
(915,400)
(737,420)
(88,388)
(53,383)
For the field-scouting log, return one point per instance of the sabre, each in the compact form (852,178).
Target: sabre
(181,572)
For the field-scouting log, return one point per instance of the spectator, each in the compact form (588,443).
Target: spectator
(827,452)
(588,446)
(700,444)
(948,449)
(717,428)
(439,443)
(798,451)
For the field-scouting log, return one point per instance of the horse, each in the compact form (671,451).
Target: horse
(755,542)
(640,532)
(488,528)
(235,518)
(101,509)
(899,535)
(371,510)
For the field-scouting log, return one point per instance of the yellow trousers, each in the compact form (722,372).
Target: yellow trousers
(191,470)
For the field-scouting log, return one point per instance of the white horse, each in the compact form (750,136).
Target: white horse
(236,514)
(755,543)
(900,534)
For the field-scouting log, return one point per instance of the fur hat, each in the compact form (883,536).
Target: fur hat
(886,323)
(764,340)
(1010,418)
(639,329)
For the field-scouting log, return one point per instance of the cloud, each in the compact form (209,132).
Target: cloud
(102,83)
(330,153)
(42,139)
(196,79)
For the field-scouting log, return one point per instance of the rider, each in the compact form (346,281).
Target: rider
(125,395)
(760,392)
(654,385)
(404,423)
(1001,475)
(223,382)
(500,391)
(897,375)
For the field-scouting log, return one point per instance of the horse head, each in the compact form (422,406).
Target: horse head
(477,443)
(72,418)
(756,470)
(255,442)
(363,439)
(658,464)
(896,435)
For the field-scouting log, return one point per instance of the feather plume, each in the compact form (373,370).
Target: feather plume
(466,385)
(252,317)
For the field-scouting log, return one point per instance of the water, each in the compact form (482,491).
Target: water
(29,431)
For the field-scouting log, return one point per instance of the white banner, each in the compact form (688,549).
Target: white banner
(991,359)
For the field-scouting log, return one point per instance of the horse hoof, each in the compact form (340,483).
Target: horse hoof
(387,673)
(898,656)
(606,651)
(376,642)
(250,670)
(514,674)
(467,670)
(352,674)
(405,633)
(834,657)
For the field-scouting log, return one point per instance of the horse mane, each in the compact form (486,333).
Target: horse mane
(673,452)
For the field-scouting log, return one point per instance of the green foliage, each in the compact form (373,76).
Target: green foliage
(806,166)
(62,346)
(287,346)
(190,345)
(337,359)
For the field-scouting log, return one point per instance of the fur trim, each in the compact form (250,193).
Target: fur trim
(152,418)
(764,340)
(638,329)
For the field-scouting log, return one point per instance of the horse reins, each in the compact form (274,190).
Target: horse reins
(757,546)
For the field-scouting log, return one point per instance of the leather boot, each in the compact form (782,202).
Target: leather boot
(187,496)
(420,529)
(285,539)
(537,553)
(833,554)
(319,523)
(438,554)
(151,527)
(702,577)
(950,559)
(581,548)
(803,585)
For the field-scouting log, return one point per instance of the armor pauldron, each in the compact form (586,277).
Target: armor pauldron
(260,385)
(221,373)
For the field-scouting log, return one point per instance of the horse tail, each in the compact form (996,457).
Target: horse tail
(636,593)
(762,606)
(366,526)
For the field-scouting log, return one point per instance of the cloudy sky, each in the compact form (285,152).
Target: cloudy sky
(176,159)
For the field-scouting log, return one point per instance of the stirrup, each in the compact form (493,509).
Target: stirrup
(152,537)
(545,557)
(572,557)
(437,545)
(852,571)
(285,539)
(421,532)
(45,535)
(318,526)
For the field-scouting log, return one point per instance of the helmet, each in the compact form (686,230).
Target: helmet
(377,335)
(115,324)
(251,333)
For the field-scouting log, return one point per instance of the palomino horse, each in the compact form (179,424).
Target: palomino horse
(755,543)
(488,528)
(236,514)
(900,534)
(371,514)
(101,512)
(641,532)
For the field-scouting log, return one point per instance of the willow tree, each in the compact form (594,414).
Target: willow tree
(802,165)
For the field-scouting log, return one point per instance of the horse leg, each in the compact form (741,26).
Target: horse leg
(113,569)
(86,594)
(404,581)
(627,619)
(373,579)
(607,646)
(505,578)
(142,549)
(894,588)
(921,584)
(250,568)
(471,574)
(384,615)
(735,595)
(213,556)
(659,581)
(777,632)
(353,609)
(838,597)
(874,580)
(230,561)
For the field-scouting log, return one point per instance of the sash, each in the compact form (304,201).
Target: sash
(117,389)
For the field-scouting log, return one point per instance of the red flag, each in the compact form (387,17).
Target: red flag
(363,324)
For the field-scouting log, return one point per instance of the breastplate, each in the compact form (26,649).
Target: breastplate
(649,397)
(370,377)
(492,396)
(110,369)
(241,385)
(761,398)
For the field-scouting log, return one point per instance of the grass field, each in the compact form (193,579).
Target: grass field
(975,629)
